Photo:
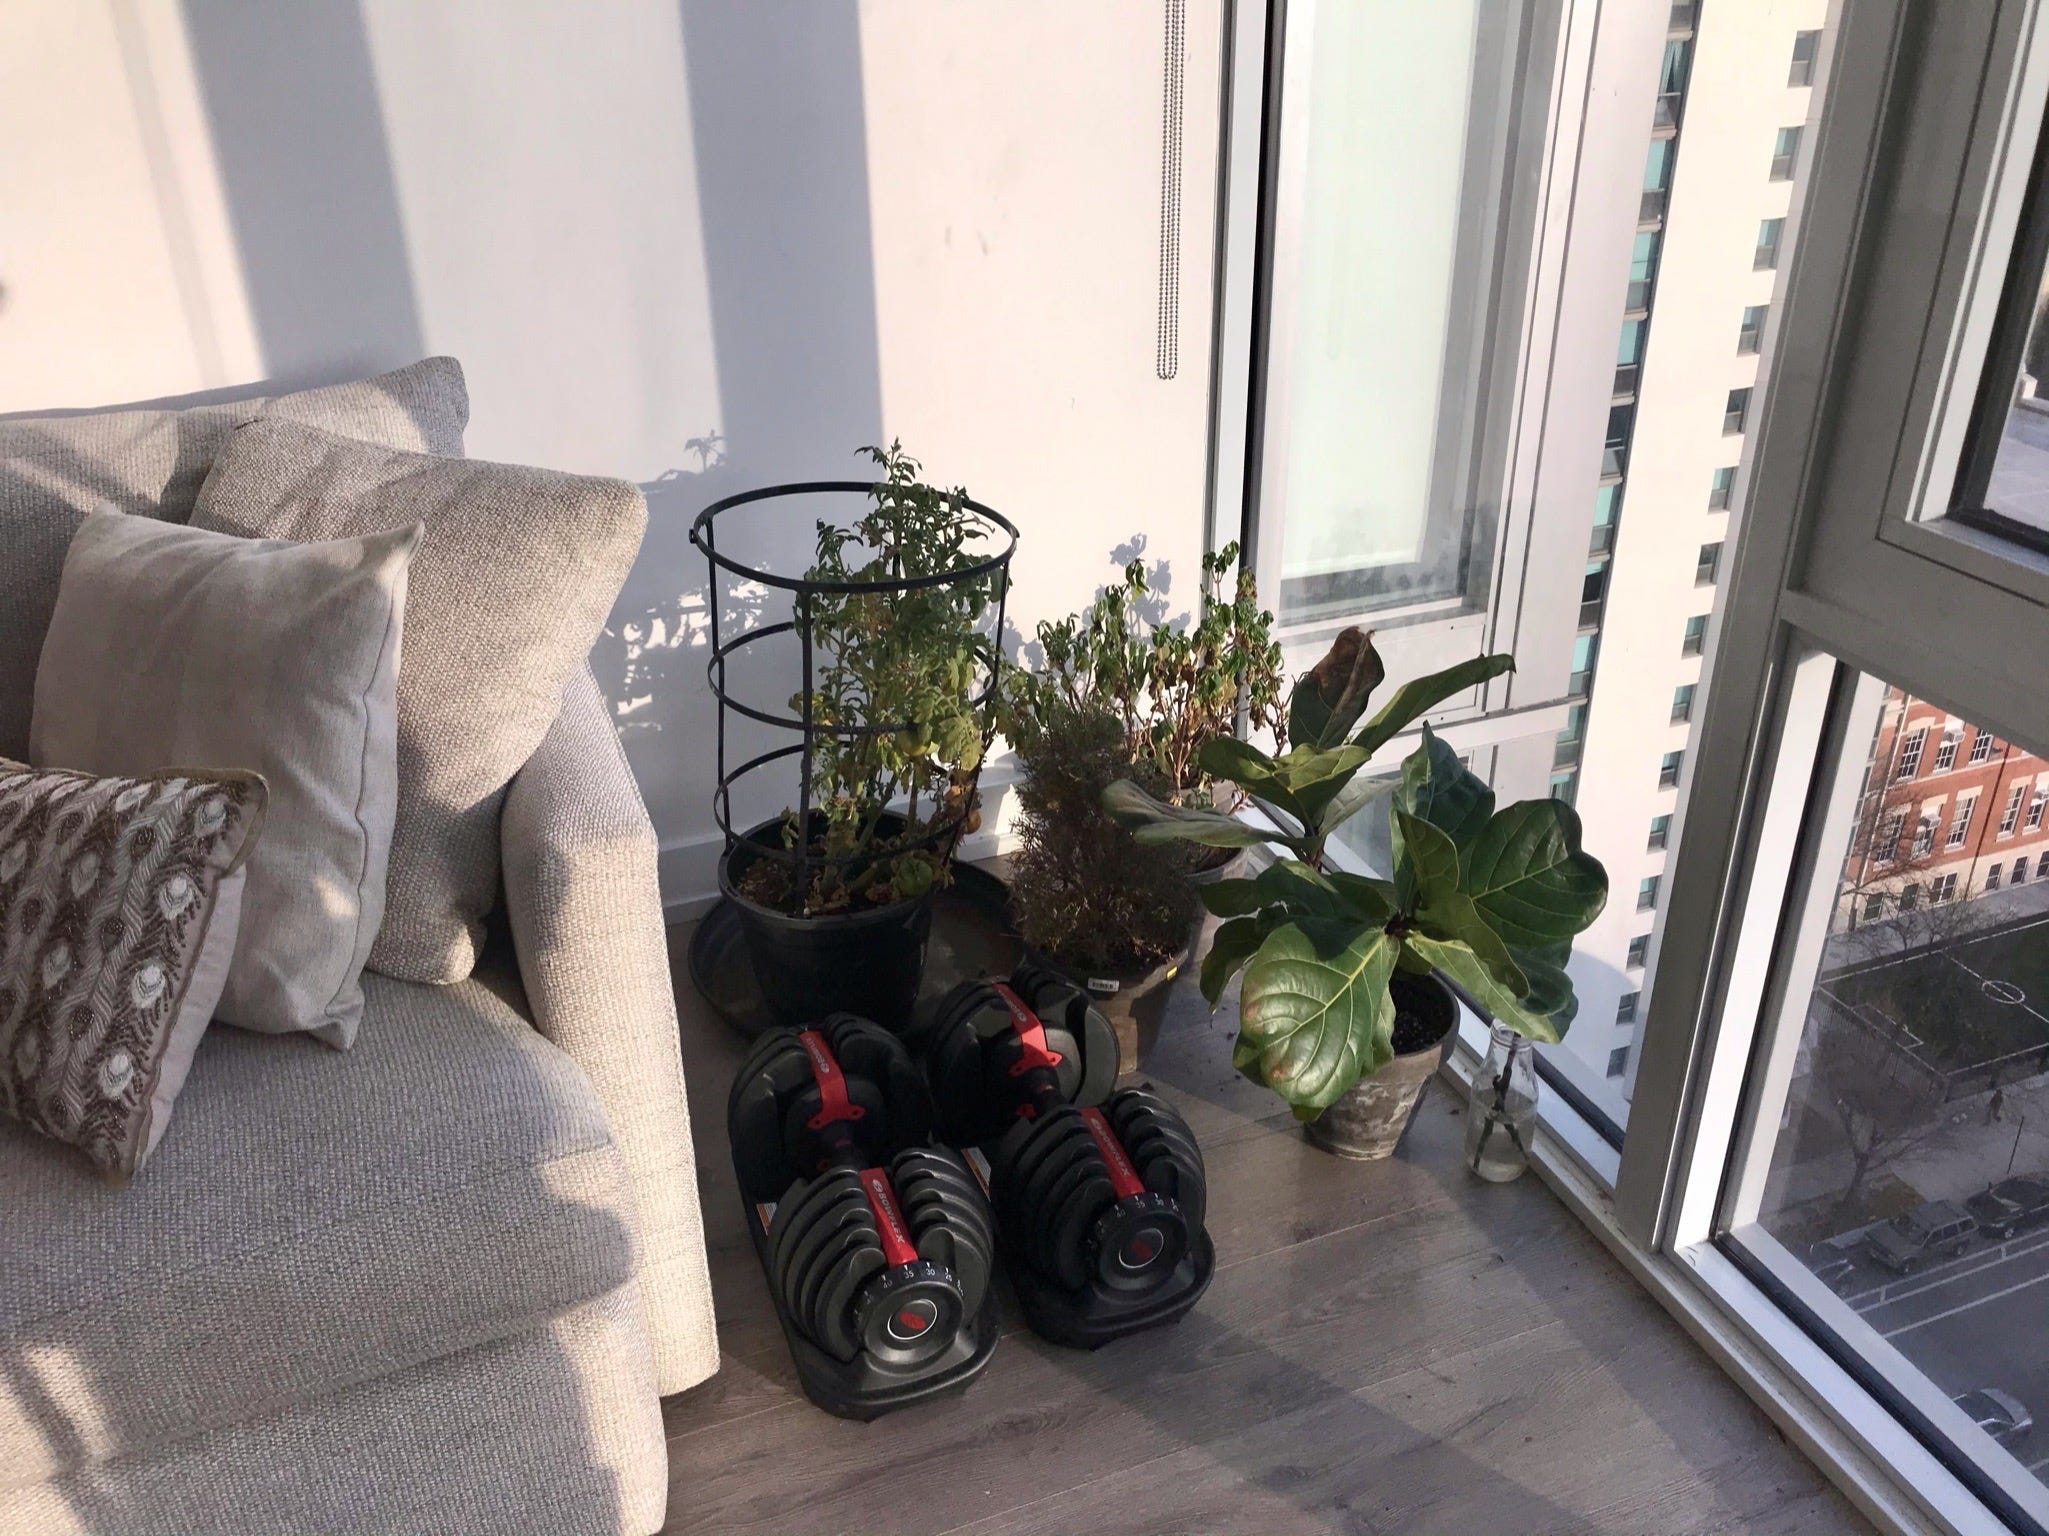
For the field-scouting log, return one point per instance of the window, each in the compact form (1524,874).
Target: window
(1584,649)
(1657,181)
(1806,48)
(1615,451)
(1910,898)
(1695,639)
(1735,412)
(1643,271)
(1709,565)
(1910,755)
(1991,879)
(1943,889)
(1769,233)
(1565,785)
(1784,153)
(1593,587)
(1629,356)
(1668,769)
(1661,832)
(2012,814)
(1625,1008)
(2042,866)
(1981,747)
(1672,84)
(1960,820)
(1750,335)
(1639,951)
(1647,893)
(1607,504)
(1946,751)
(1618,1061)
(1924,835)
(2036,806)
(1722,490)
(1682,703)
(2020,871)
(1885,847)
(1874,906)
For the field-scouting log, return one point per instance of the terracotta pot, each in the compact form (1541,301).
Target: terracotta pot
(1134,1001)
(1368,1121)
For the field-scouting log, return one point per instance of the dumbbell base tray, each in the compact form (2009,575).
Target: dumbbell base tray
(863,1390)
(1095,1317)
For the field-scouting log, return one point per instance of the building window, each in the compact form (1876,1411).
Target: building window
(1661,833)
(1723,489)
(1946,751)
(1769,233)
(1992,879)
(1981,746)
(1910,898)
(2042,866)
(1924,835)
(1639,951)
(1618,1061)
(1643,271)
(1750,336)
(1682,703)
(1910,755)
(1735,412)
(1960,821)
(1886,846)
(1709,565)
(1672,83)
(2020,870)
(1942,890)
(1615,448)
(1646,893)
(2036,807)
(1806,48)
(1625,1008)
(2012,815)
(1629,356)
(1668,770)
(1657,181)
(1874,906)
(1565,785)
(1785,153)
(1695,640)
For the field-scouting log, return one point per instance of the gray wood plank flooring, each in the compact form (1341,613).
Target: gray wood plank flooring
(1386,1347)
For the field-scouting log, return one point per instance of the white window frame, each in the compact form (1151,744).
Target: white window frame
(1909,763)
(1960,816)
(2011,816)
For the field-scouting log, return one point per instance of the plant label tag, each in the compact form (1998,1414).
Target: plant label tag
(1103,986)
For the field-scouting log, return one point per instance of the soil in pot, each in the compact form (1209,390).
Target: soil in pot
(869,960)
(1367,1122)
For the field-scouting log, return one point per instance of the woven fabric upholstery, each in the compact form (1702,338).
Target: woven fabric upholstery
(320,1219)
(512,581)
(586,912)
(554,1430)
(55,469)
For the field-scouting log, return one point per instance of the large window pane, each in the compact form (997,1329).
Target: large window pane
(1907,1166)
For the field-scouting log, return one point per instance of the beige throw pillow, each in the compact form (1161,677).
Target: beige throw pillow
(516,572)
(118,904)
(176,646)
(55,469)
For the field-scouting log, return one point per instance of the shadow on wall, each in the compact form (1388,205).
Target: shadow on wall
(778,120)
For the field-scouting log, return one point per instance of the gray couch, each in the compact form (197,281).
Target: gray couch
(436,1283)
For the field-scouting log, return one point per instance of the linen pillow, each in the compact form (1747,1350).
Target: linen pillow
(55,469)
(515,574)
(118,907)
(173,645)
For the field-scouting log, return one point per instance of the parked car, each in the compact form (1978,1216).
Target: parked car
(1941,1229)
(2010,1205)
(2000,1414)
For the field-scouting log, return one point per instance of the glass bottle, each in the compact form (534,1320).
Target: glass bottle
(1503,1115)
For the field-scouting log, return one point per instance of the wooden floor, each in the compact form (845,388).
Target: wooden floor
(1388,1347)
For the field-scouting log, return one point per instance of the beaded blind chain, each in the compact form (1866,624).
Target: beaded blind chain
(1167,359)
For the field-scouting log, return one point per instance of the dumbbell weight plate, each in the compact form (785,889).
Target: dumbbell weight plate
(1164,1173)
(808,1235)
(836,1302)
(1057,1174)
(791,1212)
(1136,1243)
(1054,1130)
(948,1230)
(1066,1141)
(851,1222)
(838,1253)
(1081,1206)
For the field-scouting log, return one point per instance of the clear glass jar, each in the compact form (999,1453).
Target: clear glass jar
(1503,1115)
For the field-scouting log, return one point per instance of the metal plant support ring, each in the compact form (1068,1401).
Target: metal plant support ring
(943,834)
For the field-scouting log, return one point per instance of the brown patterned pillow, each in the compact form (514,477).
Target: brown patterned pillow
(119,900)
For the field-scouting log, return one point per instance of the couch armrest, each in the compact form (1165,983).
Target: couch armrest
(586,914)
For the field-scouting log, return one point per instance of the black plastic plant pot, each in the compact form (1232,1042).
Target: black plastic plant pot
(870,961)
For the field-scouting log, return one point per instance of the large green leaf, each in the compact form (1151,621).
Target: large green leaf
(1314,1012)
(1436,786)
(1425,862)
(1152,820)
(1530,879)
(1301,781)
(1303,891)
(1331,696)
(1372,901)
(1231,898)
(1505,1003)
(1226,757)
(1452,916)
(1234,943)
(1419,695)
(1359,793)
(1550,989)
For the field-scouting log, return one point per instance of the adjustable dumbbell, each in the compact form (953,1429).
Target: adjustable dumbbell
(878,1246)
(1099,1196)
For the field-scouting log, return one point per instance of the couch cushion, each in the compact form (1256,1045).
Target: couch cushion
(55,469)
(320,1219)
(514,576)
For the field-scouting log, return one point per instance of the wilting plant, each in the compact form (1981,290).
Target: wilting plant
(1490,898)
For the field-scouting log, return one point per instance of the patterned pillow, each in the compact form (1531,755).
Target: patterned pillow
(119,899)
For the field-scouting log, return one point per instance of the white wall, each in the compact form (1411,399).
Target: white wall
(702,245)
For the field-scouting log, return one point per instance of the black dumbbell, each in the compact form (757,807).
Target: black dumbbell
(1096,1193)
(880,1246)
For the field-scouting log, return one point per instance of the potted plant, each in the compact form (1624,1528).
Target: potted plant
(834,896)
(1490,897)
(1121,694)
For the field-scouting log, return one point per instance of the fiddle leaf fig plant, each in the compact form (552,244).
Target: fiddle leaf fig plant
(1489,898)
